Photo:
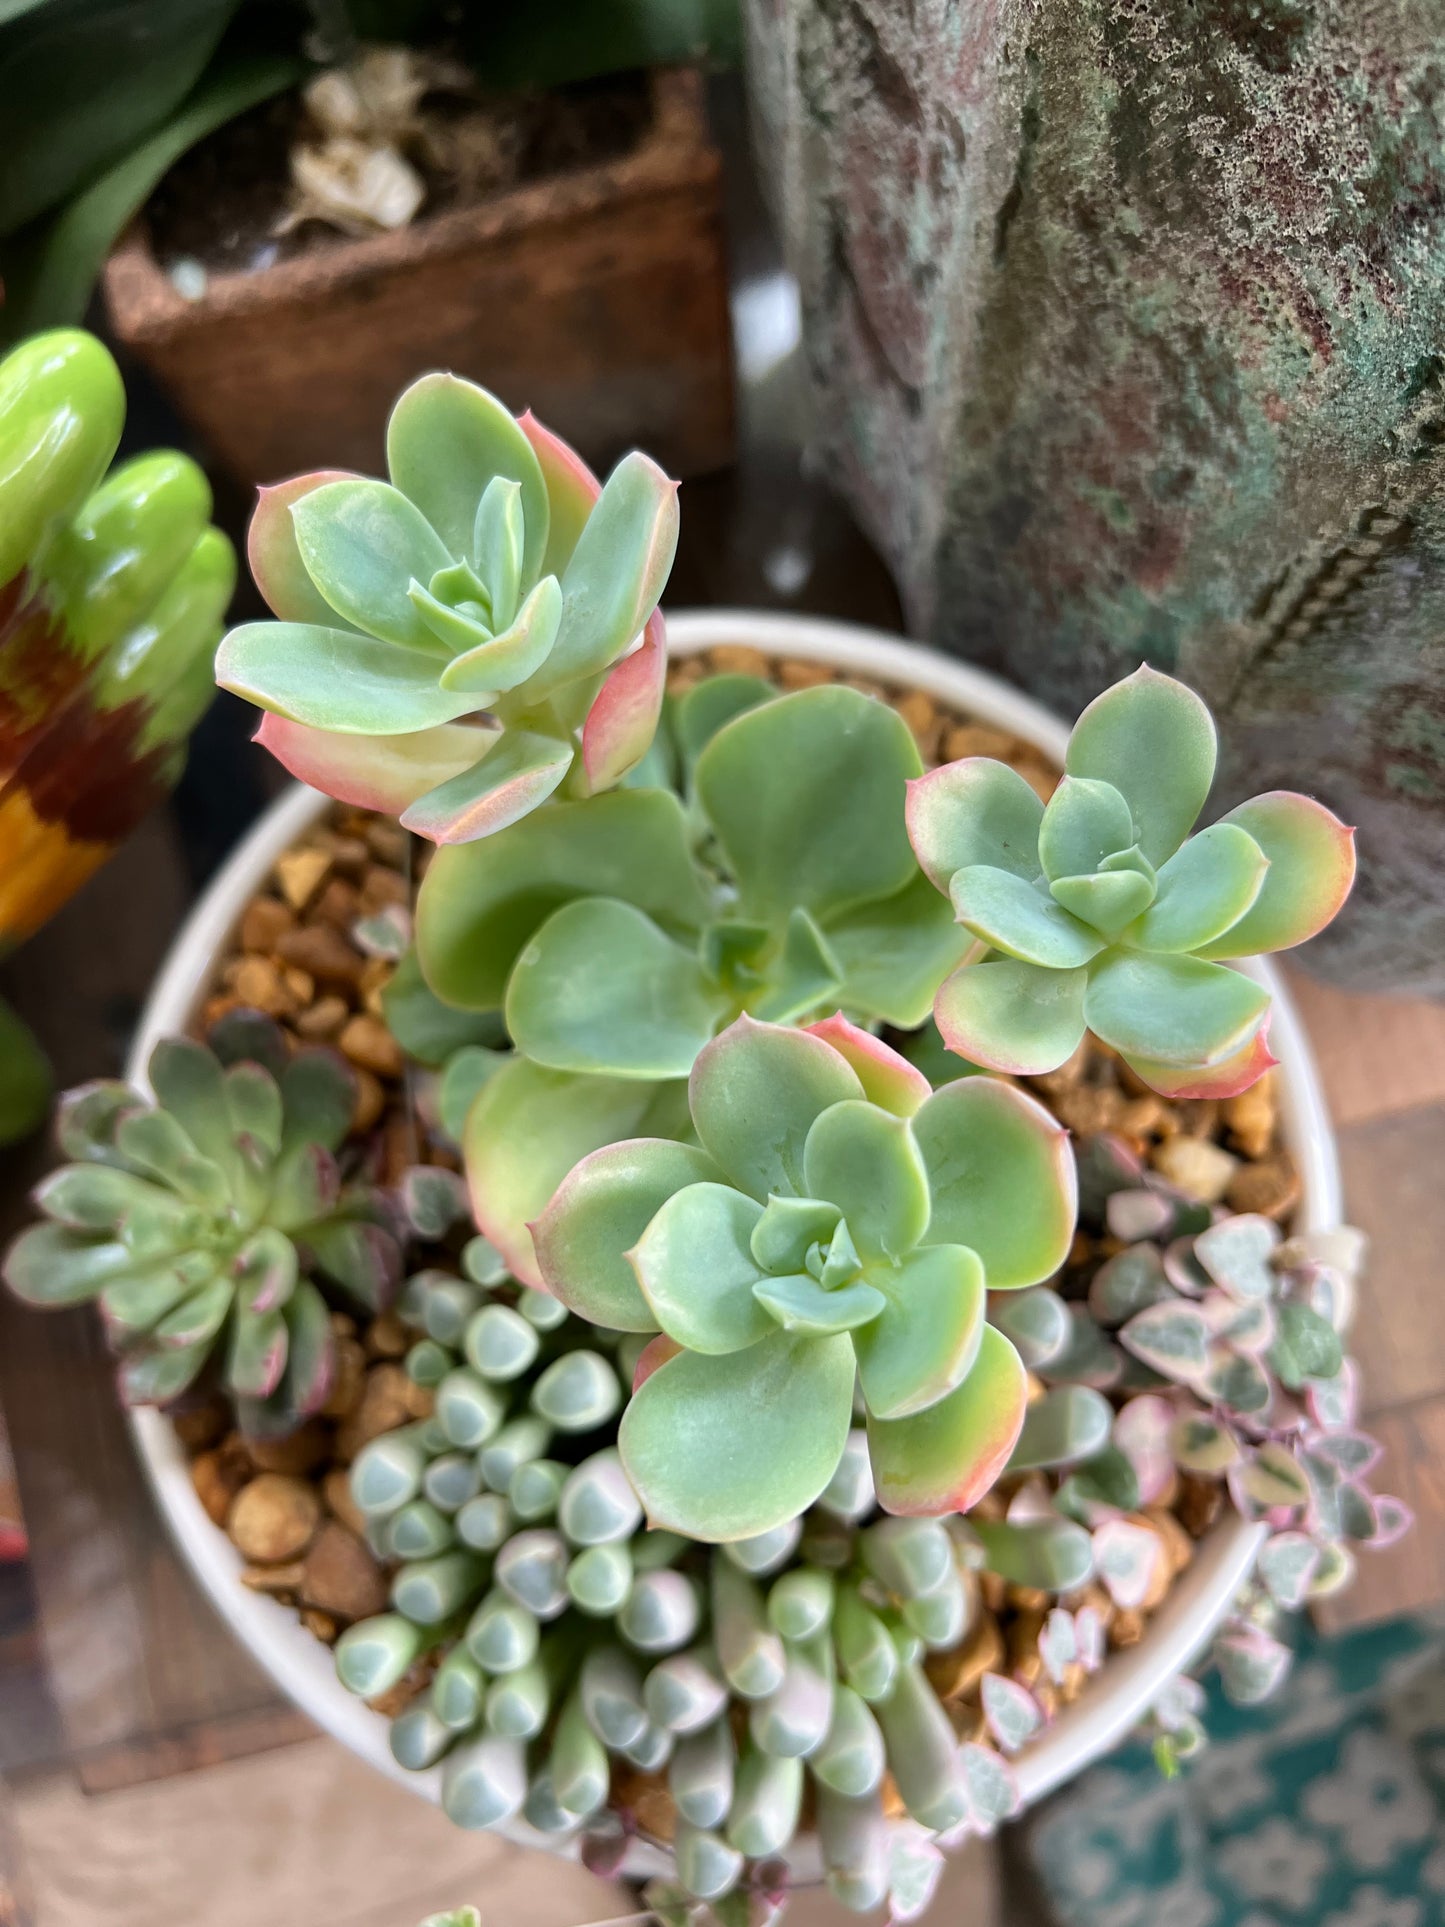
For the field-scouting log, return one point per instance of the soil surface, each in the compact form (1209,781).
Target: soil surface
(222,203)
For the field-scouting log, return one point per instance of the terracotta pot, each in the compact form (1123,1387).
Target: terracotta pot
(596,297)
(1114,1701)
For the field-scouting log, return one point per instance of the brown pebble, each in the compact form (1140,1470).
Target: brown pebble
(994,1591)
(274,1518)
(1069,1073)
(646,1797)
(1041,777)
(1201,1170)
(1073,1683)
(336,1491)
(201,1425)
(323,1021)
(384,1405)
(739,659)
(1271,1188)
(413,1681)
(957,1673)
(349,854)
(376,974)
(1089,1108)
(370,1101)
(1200,1503)
(796,674)
(1028,1599)
(337,904)
(341,1577)
(1198,1116)
(1022,1640)
(979,739)
(893,1807)
(264,922)
(1251,1117)
(381,889)
(387,842)
(1127,1629)
(215,1008)
(324,952)
(259,983)
(349,1382)
(920,712)
(368,1042)
(301,874)
(320,1625)
(1147,1117)
(421,1400)
(273,1579)
(1178,1546)
(968,1722)
(298,1452)
(387,1337)
(217,1479)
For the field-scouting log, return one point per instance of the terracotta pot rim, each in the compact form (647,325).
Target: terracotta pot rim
(1117,1698)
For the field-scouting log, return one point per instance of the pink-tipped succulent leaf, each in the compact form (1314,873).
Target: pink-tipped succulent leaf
(487,599)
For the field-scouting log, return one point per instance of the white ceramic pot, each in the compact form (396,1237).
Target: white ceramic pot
(1117,1698)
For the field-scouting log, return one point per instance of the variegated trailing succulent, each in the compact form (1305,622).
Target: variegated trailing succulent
(837,1223)
(210,1222)
(617,934)
(1102,912)
(1228,1338)
(452,644)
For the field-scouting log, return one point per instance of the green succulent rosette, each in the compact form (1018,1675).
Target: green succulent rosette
(1102,912)
(210,1222)
(616,935)
(836,1222)
(456,643)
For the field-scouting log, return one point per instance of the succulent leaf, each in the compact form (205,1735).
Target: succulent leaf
(1021,1018)
(1153,740)
(972,812)
(944,1459)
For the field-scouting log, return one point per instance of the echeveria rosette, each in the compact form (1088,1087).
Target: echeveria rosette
(457,644)
(206,1220)
(1103,913)
(836,1222)
(617,934)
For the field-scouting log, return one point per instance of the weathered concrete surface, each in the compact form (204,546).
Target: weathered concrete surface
(1125,322)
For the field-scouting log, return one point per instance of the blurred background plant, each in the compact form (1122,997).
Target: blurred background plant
(99,98)
(112,590)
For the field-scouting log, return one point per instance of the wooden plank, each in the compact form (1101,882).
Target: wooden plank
(1394,1191)
(1376,1055)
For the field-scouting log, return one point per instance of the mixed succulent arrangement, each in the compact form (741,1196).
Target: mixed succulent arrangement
(113,588)
(758,1344)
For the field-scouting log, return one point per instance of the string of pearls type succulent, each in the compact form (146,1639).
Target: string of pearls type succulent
(572,1653)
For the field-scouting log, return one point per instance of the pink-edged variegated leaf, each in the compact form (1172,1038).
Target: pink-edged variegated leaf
(1058,1644)
(1135,1215)
(653,1356)
(518,773)
(1012,1712)
(622,721)
(1287,1565)
(1125,1556)
(572,489)
(1393,1519)
(1273,1479)
(1238,1382)
(275,559)
(1352,1454)
(888,1080)
(1226,1079)
(1333,1403)
(1183,1269)
(1171,1338)
(1142,1431)
(386,773)
(1311,869)
(1251,1663)
(1244,1327)
(1238,1254)
(1089,1632)
(1031,1504)
(1179,1703)
(915,1867)
(993,1792)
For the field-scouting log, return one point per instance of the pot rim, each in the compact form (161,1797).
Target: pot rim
(1114,1701)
